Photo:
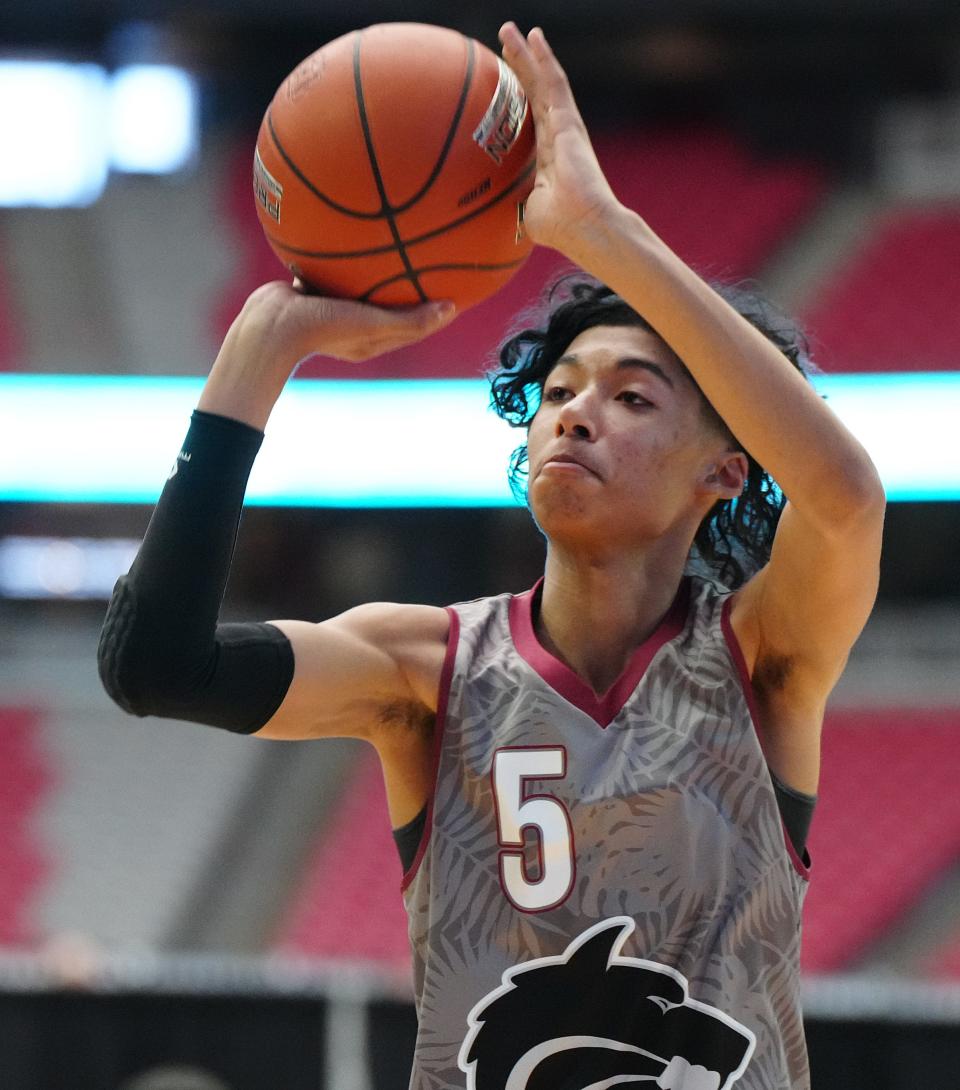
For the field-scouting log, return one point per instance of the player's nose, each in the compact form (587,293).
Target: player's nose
(577,417)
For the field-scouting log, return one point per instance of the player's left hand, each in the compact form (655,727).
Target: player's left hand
(571,199)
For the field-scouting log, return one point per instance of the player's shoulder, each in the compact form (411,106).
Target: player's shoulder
(392,624)
(410,636)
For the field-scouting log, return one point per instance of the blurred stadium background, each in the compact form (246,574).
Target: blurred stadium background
(179,905)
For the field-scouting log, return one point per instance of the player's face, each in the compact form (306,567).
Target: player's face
(621,449)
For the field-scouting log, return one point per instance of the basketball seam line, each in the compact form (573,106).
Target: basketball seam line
(377,176)
(438,166)
(440,268)
(478,211)
(451,133)
(313,189)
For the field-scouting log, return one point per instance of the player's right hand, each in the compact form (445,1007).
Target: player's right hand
(301,323)
(282,324)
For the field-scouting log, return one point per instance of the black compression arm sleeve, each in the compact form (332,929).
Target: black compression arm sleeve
(161,649)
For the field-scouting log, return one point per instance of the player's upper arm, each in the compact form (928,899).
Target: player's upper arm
(352,668)
(804,611)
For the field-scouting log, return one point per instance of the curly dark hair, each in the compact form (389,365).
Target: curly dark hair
(734,539)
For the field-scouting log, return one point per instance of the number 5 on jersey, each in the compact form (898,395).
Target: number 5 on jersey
(519,810)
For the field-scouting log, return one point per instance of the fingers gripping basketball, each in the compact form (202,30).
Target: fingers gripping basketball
(391,165)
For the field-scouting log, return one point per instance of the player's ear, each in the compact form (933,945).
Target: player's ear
(727,476)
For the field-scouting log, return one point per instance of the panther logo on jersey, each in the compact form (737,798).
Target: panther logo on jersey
(594,1018)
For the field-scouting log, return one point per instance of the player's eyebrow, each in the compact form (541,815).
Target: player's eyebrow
(571,360)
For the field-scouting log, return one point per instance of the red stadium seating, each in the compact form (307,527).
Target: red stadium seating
(722,208)
(892,306)
(349,905)
(887,825)
(24,780)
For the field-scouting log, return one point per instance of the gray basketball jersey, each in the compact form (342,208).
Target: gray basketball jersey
(604,893)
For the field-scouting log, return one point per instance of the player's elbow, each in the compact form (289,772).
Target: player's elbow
(860,500)
(128,675)
(867,497)
(234,677)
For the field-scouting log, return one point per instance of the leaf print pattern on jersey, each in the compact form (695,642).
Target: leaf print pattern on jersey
(675,826)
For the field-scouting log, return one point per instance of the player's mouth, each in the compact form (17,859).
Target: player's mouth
(567,463)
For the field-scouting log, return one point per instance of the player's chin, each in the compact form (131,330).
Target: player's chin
(563,510)
(572,486)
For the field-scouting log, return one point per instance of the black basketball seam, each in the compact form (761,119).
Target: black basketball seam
(313,189)
(472,266)
(477,211)
(435,173)
(451,132)
(377,176)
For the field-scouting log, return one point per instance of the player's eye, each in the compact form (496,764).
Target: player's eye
(631,397)
(555,393)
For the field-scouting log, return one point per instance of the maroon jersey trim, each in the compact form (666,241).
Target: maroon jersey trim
(736,653)
(443,697)
(602,709)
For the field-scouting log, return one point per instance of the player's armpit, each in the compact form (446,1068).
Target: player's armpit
(355,672)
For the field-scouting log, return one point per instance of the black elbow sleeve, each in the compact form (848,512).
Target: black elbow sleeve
(113,657)
(161,650)
(238,685)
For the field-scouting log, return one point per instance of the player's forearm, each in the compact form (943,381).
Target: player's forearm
(764,401)
(162,651)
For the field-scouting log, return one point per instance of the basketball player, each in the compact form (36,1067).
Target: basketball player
(601,786)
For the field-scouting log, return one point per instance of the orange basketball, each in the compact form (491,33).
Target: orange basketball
(392,164)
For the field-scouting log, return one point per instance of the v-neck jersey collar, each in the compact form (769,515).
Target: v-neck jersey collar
(602,709)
